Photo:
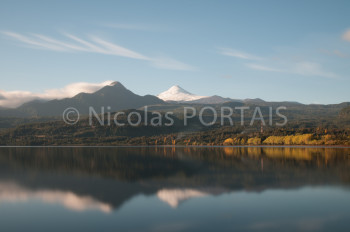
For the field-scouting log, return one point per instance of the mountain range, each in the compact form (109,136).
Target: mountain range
(117,97)
(114,95)
(179,95)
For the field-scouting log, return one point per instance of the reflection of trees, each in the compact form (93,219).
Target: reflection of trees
(231,167)
(115,174)
(131,163)
(124,164)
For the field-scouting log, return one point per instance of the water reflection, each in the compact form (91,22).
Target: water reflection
(174,197)
(11,192)
(107,180)
(104,178)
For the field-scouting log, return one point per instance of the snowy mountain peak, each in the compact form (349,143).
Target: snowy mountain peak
(177,89)
(176,93)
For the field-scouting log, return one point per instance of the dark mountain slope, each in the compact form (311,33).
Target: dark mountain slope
(115,96)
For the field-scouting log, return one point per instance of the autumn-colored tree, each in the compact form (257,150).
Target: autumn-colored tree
(228,142)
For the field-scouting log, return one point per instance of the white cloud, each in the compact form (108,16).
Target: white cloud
(340,54)
(346,35)
(263,68)
(63,45)
(16,98)
(337,53)
(168,63)
(301,68)
(33,41)
(238,54)
(114,49)
(96,45)
(312,69)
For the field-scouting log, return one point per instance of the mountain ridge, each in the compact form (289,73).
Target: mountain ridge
(118,97)
(114,95)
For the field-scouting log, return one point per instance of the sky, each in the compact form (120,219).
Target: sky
(273,50)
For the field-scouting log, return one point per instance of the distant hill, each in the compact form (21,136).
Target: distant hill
(120,98)
(114,95)
(254,101)
(213,100)
(345,113)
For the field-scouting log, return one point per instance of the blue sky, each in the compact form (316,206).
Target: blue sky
(274,50)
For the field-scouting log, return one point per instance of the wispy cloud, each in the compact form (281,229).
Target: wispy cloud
(94,45)
(312,69)
(238,54)
(263,68)
(33,41)
(300,68)
(304,68)
(334,53)
(16,98)
(63,46)
(117,50)
(169,63)
(346,35)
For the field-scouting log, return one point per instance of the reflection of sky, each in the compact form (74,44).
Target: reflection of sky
(305,209)
(10,192)
(232,193)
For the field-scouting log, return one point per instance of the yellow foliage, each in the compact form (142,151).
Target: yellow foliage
(302,139)
(288,140)
(254,141)
(277,140)
(228,142)
(236,141)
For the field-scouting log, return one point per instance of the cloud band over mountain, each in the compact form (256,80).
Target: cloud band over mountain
(13,99)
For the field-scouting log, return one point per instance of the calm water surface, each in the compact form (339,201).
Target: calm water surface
(175,189)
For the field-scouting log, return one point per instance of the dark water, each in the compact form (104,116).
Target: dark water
(168,189)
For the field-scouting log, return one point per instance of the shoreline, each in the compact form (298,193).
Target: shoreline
(181,146)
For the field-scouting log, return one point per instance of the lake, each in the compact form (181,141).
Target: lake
(175,189)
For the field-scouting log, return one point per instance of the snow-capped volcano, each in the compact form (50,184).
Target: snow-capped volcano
(176,93)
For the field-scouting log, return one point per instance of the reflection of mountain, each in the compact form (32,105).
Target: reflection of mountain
(105,178)
(104,191)
(174,197)
(11,192)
